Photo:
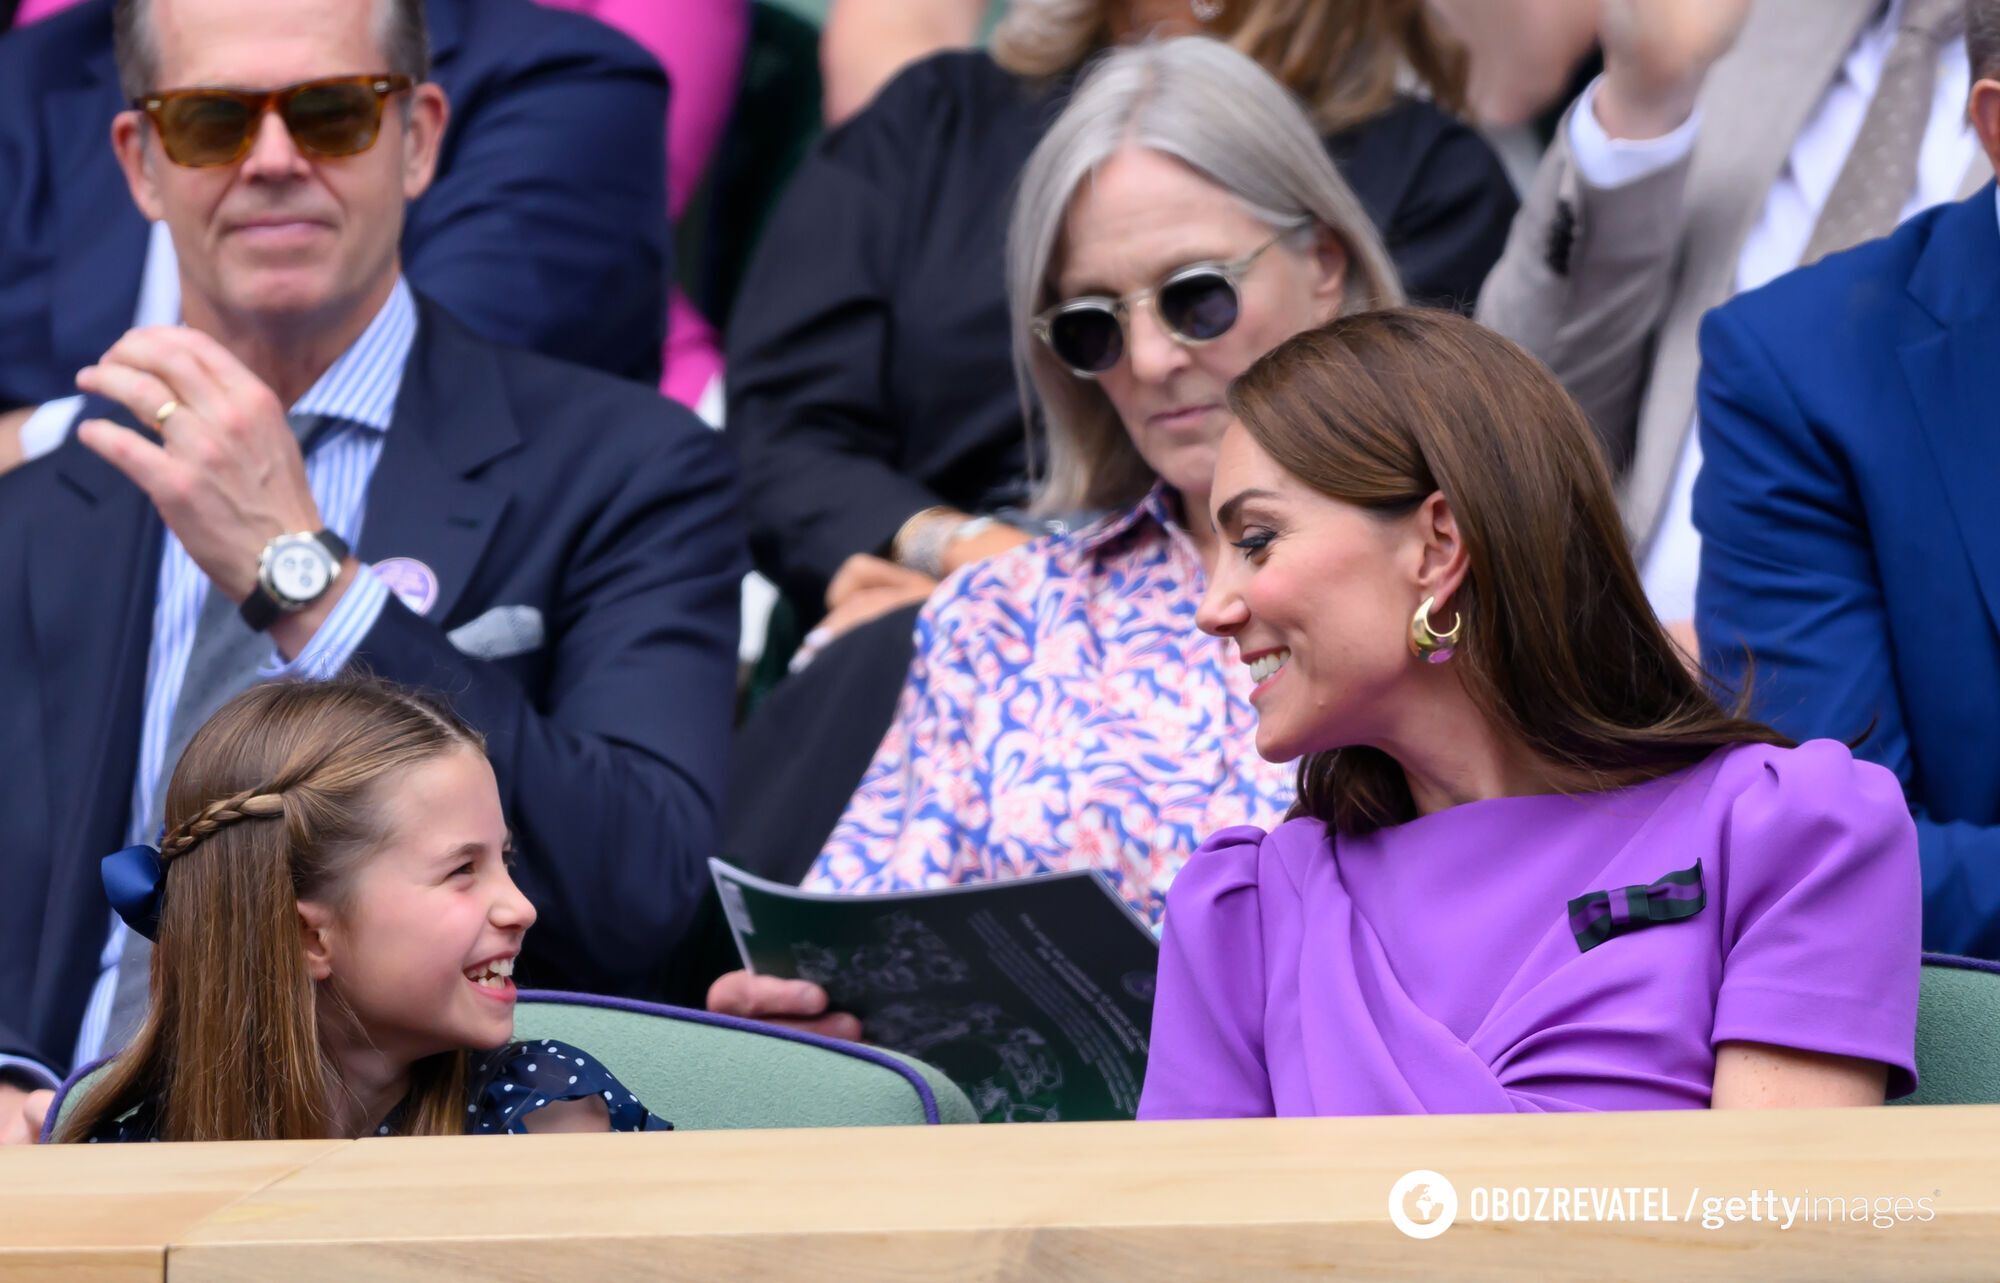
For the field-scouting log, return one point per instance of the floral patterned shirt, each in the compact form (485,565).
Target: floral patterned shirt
(1062,712)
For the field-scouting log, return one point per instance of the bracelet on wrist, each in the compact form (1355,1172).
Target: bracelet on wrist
(921,541)
(971,529)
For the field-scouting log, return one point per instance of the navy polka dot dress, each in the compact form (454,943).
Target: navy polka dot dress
(505,1087)
(510,1084)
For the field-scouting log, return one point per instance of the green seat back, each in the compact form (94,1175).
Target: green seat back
(704,1072)
(1958,1033)
(74,1089)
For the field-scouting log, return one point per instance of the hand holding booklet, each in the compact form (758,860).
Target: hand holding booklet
(1035,995)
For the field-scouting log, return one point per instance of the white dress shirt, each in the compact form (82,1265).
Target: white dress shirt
(1783,227)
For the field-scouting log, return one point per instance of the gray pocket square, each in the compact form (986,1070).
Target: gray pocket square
(500,633)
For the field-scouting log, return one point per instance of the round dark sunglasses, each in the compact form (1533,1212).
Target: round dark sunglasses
(336,116)
(1196,304)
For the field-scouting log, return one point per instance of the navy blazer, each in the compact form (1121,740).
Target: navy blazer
(1849,507)
(520,481)
(546,227)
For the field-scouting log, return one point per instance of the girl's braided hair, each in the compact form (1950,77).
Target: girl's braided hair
(250,804)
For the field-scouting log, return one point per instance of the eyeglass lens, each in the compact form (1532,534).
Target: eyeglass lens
(1087,338)
(1200,307)
(333,120)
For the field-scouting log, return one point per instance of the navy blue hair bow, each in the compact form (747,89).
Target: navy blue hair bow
(132,883)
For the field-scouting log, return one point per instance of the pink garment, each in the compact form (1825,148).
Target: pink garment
(700,43)
(32,10)
(1062,712)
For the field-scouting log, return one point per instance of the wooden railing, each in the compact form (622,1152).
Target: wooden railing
(1238,1200)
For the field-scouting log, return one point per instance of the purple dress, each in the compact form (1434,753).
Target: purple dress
(1545,953)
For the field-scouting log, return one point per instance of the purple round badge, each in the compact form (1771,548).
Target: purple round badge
(414,583)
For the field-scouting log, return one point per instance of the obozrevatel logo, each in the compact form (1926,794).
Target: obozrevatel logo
(1423,1204)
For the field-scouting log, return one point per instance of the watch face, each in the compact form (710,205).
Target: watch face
(298,570)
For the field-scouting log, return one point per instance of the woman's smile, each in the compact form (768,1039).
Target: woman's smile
(1265,665)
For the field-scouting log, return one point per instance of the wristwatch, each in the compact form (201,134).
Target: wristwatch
(293,572)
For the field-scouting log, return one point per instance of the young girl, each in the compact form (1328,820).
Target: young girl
(336,930)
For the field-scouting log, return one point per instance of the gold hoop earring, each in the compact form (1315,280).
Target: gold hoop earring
(1429,645)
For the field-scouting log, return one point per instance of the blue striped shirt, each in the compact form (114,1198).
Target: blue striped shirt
(358,394)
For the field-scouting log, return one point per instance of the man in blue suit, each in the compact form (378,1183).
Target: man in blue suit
(546,227)
(1849,506)
(322,467)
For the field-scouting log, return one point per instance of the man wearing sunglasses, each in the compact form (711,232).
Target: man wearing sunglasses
(321,467)
(544,228)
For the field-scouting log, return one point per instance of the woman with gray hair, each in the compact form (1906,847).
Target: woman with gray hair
(1178,220)
(868,388)
(871,395)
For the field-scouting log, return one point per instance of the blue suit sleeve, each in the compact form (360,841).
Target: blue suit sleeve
(1789,604)
(612,772)
(552,189)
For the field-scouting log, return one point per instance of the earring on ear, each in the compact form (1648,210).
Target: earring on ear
(1206,10)
(1429,645)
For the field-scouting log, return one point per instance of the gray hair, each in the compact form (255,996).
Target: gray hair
(1218,112)
(400,30)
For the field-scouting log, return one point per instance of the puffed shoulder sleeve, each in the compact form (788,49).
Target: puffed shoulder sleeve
(528,1076)
(1206,1055)
(1822,911)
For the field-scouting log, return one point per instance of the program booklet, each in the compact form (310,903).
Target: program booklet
(1035,996)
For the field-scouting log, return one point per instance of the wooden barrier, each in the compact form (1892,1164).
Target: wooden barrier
(98,1214)
(1250,1199)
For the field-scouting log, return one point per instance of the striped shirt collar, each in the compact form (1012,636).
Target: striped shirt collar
(361,386)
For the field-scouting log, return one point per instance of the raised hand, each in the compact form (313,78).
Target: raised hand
(226,474)
(1656,55)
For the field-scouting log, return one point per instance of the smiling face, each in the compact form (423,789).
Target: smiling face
(1317,595)
(280,234)
(430,909)
(1143,216)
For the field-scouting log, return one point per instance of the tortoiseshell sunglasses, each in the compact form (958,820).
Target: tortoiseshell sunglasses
(336,116)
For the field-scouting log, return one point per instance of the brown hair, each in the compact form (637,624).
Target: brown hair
(1345,58)
(1562,651)
(275,801)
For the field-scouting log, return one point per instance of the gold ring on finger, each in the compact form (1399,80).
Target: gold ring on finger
(166,411)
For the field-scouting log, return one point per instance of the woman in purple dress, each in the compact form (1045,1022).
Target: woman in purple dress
(1534,864)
